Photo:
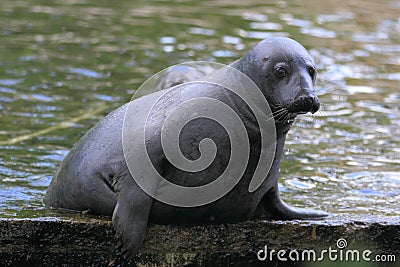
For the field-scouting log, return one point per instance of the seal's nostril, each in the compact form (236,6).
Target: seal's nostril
(305,103)
(315,104)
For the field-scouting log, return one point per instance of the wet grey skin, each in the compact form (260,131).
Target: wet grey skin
(94,175)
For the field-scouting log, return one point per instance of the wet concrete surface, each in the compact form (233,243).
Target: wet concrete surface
(90,242)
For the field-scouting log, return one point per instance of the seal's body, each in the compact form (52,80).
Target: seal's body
(94,175)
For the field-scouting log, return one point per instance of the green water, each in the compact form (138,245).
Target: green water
(65,64)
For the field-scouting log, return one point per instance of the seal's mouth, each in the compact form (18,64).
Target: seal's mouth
(283,115)
(292,115)
(304,104)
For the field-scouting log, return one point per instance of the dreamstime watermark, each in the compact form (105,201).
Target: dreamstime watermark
(155,122)
(338,253)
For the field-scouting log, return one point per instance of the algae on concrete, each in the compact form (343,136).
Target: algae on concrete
(90,242)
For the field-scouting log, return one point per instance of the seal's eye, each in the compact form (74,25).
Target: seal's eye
(312,72)
(280,72)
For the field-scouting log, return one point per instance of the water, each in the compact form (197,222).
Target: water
(66,64)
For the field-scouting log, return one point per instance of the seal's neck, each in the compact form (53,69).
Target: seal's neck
(282,128)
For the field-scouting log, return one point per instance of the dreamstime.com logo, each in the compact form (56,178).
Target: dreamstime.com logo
(155,120)
(340,253)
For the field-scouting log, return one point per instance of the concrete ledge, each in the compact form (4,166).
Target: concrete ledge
(51,242)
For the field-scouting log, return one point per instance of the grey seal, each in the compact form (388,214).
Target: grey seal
(94,175)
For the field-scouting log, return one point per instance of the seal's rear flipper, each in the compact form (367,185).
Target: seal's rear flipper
(130,214)
(275,208)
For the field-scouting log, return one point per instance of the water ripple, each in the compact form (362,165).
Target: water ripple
(85,72)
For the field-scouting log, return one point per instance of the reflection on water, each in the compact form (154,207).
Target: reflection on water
(65,64)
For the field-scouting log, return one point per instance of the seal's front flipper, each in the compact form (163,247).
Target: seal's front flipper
(275,208)
(130,214)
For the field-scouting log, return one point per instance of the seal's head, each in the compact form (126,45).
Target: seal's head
(286,73)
